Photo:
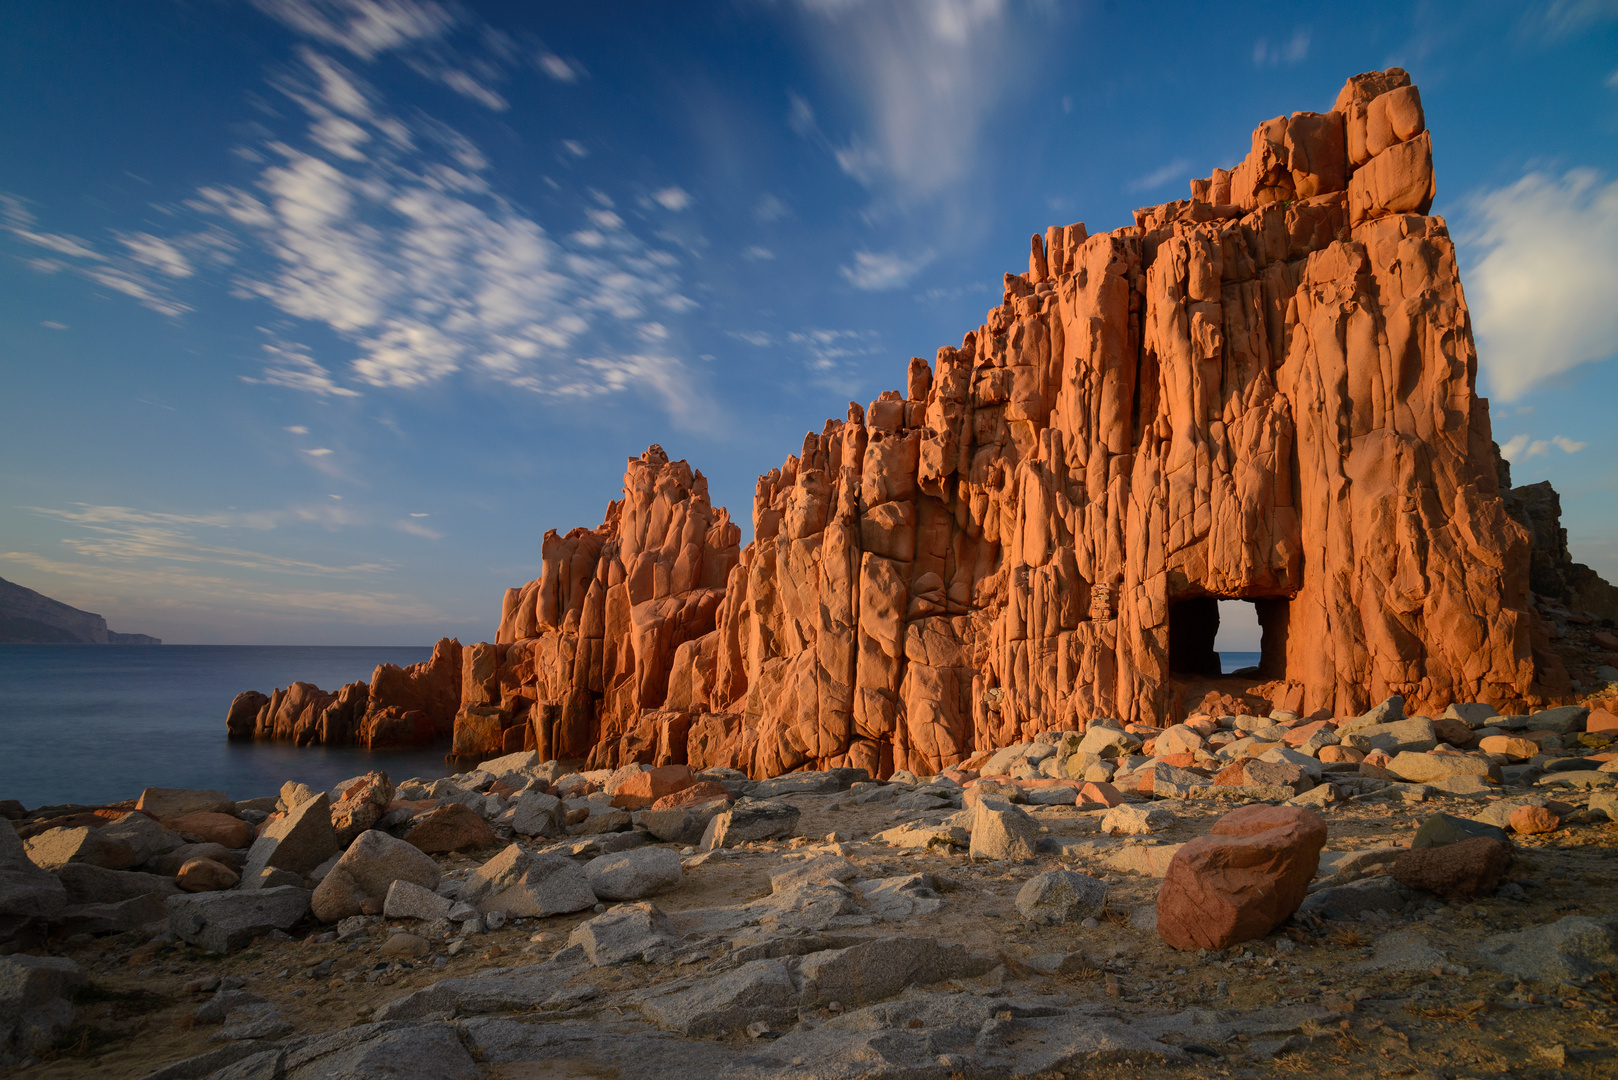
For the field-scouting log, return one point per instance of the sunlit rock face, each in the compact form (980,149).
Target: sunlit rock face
(1263,392)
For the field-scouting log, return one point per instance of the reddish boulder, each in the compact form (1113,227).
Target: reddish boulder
(455,827)
(1101,793)
(206,875)
(209,828)
(701,791)
(646,788)
(1529,820)
(1601,720)
(1456,871)
(1242,880)
(360,806)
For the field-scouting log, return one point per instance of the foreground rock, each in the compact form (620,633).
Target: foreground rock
(1242,880)
(35,1005)
(223,922)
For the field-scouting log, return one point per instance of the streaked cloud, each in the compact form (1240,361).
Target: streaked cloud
(672,198)
(1178,169)
(1522,447)
(925,74)
(1542,292)
(1289,52)
(363,27)
(877,271)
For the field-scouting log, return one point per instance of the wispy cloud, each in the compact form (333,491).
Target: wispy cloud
(1542,292)
(1289,52)
(1178,169)
(416,528)
(877,271)
(836,360)
(672,198)
(926,74)
(390,234)
(758,254)
(1522,447)
(122,534)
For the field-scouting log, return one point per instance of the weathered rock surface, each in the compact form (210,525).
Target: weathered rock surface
(518,883)
(1264,391)
(1468,868)
(223,922)
(1242,880)
(1061,896)
(34,1003)
(367,870)
(631,875)
(298,841)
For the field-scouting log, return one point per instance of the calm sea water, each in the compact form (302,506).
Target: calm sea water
(97,723)
(1231,661)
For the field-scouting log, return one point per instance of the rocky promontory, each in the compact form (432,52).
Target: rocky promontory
(31,618)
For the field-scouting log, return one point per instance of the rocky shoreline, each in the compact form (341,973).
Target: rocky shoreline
(1228,896)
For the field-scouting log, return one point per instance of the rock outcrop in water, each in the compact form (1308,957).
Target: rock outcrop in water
(1265,392)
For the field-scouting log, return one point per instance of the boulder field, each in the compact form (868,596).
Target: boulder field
(1242,895)
(1264,392)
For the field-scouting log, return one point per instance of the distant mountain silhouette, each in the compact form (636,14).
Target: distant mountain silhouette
(28,617)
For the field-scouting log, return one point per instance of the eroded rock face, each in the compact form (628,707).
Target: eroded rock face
(1265,391)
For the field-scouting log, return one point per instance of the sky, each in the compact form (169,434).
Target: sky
(316,314)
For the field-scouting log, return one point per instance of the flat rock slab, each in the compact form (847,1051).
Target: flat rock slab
(222,922)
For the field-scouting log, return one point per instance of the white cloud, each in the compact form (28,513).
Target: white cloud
(557,68)
(768,209)
(759,338)
(876,271)
(926,73)
(1522,447)
(159,254)
(318,452)
(52,324)
(298,429)
(575,147)
(1292,51)
(416,528)
(363,27)
(291,366)
(672,198)
(1612,80)
(1177,169)
(420,515)
(758,254)
(1542,291)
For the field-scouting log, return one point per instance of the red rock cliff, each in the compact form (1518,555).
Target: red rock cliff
(1264,392)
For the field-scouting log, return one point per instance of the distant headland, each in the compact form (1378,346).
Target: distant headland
(31,618)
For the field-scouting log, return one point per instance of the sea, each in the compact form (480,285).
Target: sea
(94,724)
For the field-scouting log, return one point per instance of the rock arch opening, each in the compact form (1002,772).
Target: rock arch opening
(1196,643)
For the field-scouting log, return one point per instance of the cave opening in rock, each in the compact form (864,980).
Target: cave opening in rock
(1212,636)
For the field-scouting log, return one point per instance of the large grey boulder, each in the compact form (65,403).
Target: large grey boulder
(1419,768)
(873,970)
(681,824)
(1062,896)
(222,922)
(407,900)
(86,883)
(1568,718)
(1563,951)
(799,783)
(121,843)
(165,803)
(1414,734)
(624,933)
(1390,711)
(27,891)
(631,875)
(1002,831)
(760,990)
(534,813)
(367,870)
(525,885)
(34,1004)
(299,841)
(750,819)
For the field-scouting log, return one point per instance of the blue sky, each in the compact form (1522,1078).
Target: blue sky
(315,314)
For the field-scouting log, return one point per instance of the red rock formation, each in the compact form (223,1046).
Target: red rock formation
(1264,392)
(402,706)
